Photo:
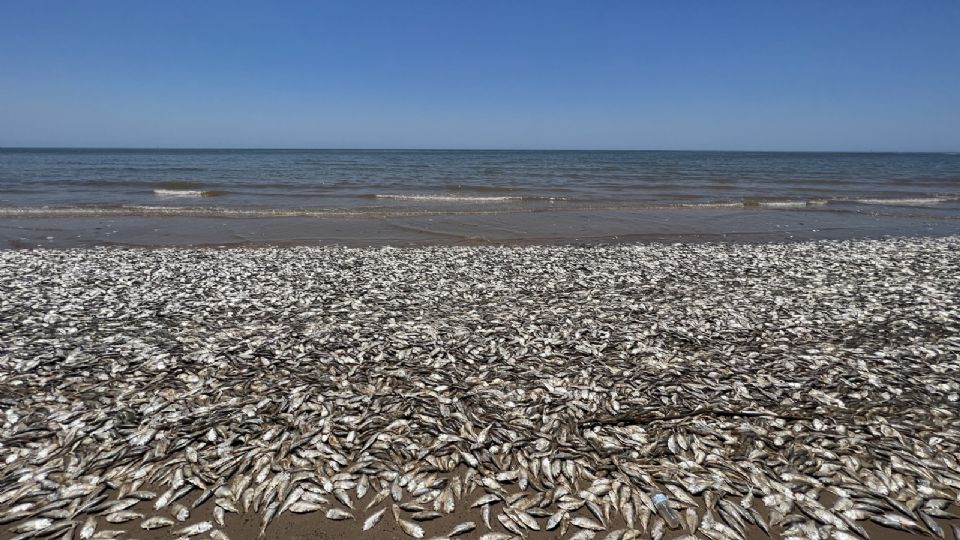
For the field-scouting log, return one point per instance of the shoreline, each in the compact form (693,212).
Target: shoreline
(802,387)
(567,227)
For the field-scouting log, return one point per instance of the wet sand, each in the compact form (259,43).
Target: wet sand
(562,227)
(289,526)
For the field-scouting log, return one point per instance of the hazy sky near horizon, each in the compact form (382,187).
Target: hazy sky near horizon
(753,75)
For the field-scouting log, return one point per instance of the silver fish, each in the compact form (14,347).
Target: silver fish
(373,519)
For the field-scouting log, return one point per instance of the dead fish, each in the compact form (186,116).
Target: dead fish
(692,520)
(932,525)
(657,529)
(179,512)
(526,520)
(509,524)
(142,494)
(156,522)
(337,514)
(462,528)
(88,528)
(410,528)
(485,499)
(896,521)
(195,529)
(302,507)
(425,515)
(373,519)
(123,517)
(108,534)
(32,525)
(270,380)
(586,523)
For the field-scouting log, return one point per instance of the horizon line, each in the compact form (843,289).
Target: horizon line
(425,149)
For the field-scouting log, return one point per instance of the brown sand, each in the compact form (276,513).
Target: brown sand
(567,227)
(316,526)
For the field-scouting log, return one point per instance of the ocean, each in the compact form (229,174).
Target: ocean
(556,185)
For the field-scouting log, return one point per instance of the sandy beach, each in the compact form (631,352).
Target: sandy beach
(479,270)
(796,390)
(558,228)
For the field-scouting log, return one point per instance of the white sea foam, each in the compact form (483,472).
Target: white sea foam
(214,211)
(790,204)
(704,205)
(452,198)
(179,193)
(146,210)
(907,201)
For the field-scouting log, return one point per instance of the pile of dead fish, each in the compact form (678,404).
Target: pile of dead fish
(803,389)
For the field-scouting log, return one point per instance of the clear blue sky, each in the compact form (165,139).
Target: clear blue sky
(765,75)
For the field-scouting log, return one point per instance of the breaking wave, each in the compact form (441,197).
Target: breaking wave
(785,204)
(160,210)
(188,193)
(466,198)
(156,211)
(908,201)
